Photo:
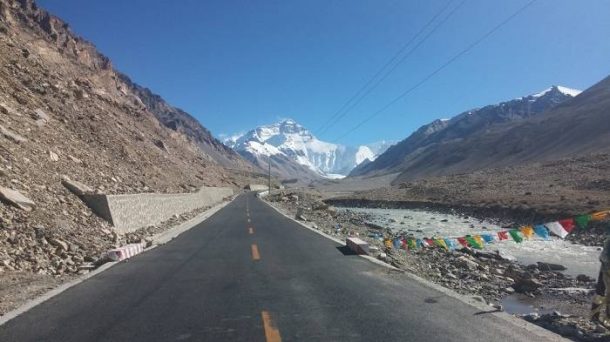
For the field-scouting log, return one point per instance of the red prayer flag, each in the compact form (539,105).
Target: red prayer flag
(567,224)
(503,235)
(462,241)
(430,242)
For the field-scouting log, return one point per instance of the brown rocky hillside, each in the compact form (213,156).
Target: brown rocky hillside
(64,111)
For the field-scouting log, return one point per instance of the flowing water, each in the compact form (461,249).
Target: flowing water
(423,223)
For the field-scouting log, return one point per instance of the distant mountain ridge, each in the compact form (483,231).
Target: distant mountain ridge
(289,141)
(430,140)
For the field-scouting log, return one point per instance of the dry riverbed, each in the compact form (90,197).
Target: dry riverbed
(534,291)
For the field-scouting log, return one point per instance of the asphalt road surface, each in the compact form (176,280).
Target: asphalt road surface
(250,274)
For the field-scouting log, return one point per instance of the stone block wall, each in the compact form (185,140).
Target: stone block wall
(130,212)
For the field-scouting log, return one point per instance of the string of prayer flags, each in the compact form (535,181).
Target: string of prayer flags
(567,224)
(582,221)
(557,229)
(503,235)
(515,235)
(560,228)
(527,231)
(542,231)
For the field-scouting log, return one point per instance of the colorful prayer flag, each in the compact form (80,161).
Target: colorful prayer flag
(412,243)
(462,241)
(600,215)
(542,231)
(557,229)
(567,224)
(582,221)
(473,242)
(397,243)
(479,240)
(430,242)
(488,238)
(503,235)
(441,243)
(451,243)
(387,243)
(527,231)
(515,235)
(420,243)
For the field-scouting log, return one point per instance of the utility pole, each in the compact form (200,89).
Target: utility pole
(269,175)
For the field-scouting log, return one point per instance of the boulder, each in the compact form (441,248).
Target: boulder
(10,135)
(300,215)
(526,285)
(59,244)
(75,187)
(545,266)
(53,156)
(16,199)
(40,116)
(465,262)
(583,278)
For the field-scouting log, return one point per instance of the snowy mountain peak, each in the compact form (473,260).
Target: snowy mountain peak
(295,142)
(560,89)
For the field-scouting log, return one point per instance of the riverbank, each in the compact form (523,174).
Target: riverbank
(485,274)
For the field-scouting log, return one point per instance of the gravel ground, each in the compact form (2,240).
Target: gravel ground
(17,287)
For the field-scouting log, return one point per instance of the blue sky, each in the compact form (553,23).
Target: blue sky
(238,64)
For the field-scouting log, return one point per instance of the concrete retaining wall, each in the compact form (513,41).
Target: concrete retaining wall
(130,212)
(257,187)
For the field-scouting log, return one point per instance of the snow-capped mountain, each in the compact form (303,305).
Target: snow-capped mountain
(431,142)
(291,140)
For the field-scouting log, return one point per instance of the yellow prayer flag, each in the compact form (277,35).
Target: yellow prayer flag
(527,231)
(479,240)
(388,243)
(600,215)
(441,243)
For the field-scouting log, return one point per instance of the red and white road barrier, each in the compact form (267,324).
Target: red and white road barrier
(357,246)
(125,252)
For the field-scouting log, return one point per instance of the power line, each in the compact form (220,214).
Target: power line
(388,63)
(439,69)
(423,40)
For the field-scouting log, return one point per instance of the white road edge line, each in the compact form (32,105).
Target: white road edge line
(517,322)
(158,239)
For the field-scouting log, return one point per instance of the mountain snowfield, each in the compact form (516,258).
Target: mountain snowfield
(288,138)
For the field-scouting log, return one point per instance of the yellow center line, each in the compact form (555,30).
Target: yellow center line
(255,255)
(251,230)
(272,333)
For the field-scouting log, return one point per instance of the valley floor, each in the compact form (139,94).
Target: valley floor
(495,279)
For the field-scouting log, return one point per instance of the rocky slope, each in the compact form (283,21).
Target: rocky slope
(65,112)
(290,143)
(431,142)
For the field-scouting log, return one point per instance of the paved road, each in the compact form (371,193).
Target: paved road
(250,274)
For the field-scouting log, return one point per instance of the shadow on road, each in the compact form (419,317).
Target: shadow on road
(346,250)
